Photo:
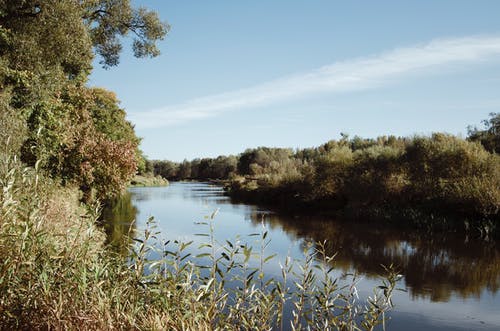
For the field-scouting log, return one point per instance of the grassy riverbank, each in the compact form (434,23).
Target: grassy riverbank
(56,273)
(147,180)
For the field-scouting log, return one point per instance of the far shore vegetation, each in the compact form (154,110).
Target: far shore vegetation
(146,180)
(439,181)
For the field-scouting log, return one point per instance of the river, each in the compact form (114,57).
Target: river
(450,281)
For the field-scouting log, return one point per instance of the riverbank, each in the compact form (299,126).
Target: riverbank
(442,271)
(439,181)
(57,273)
(147,180)
(395,214)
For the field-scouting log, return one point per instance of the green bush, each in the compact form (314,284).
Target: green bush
(455,172)
(452,180)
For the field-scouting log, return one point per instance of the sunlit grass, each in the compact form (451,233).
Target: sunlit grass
(55,273)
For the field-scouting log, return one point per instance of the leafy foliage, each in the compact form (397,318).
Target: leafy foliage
(221,167)
(387,177)
(489,137)
(82,137)
(110,20)
(78,134)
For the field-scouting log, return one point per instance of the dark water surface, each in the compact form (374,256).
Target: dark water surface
(451,281)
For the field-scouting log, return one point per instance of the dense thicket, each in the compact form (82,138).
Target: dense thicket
(77,134)
(387,177)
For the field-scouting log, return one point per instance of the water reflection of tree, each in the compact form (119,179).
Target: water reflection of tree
(118,218)
(434,265)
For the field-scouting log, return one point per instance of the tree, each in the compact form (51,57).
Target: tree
(83,138)
(101,23)
(489,137)
(79,134)
(45,44)
(110,20)
(185,171)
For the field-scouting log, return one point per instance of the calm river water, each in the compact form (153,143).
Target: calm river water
(451,281)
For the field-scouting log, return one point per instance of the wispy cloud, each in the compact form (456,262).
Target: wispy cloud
(346,76)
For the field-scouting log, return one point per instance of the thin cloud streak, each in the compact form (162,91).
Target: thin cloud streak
(340,77)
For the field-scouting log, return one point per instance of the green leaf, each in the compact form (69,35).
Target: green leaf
(269,258)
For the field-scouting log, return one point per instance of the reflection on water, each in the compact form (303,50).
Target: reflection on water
(118,220)
(434,265)
(452,281)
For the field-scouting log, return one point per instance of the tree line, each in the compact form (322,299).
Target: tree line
(440,173)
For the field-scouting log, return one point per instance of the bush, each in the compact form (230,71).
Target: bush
(459,173)
(449,179)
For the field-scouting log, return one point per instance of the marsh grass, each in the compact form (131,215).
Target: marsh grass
(56,273)
(148,180)
(224,286)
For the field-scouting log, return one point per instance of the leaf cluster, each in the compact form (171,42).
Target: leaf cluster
(79,134)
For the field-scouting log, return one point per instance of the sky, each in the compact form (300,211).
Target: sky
(287,73)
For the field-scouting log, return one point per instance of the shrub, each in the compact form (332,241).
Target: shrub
(455,171)
(331,173)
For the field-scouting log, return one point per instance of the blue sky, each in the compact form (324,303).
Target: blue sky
(285,73)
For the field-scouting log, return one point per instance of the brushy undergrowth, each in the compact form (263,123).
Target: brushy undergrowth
(56,273)
(440,182)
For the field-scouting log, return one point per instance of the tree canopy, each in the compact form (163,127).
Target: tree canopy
(489,137)
(78,134)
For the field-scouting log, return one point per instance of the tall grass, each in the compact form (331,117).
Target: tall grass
(56,273)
